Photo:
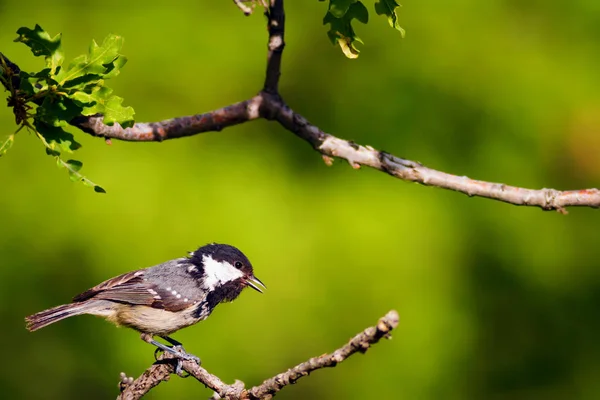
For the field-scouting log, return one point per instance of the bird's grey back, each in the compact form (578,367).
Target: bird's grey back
(174,276)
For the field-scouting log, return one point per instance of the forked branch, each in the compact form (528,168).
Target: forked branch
(268,104)
(162,369)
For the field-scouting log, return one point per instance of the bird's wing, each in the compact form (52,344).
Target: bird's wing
(127,280)
(133,288)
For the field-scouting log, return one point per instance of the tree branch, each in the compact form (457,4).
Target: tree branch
(157,373)
(276,26)
(162,369)
(269,105)
(359,343)
(175,128)
(412,171)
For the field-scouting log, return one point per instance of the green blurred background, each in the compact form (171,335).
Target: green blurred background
(495,301)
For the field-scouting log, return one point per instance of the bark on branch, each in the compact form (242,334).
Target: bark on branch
(162,369)
(268,104)
(271,107)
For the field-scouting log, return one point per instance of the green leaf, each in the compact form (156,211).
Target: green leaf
(115,112)
(52,153)
(57,110)
(104,102)
(114,68)
(85,99)
(4,147)
(27,84)
(341,30)
(101,60)
(41,44)
(56,139)
(85,83)
(59,94)
(358,11)
(73,167)
(338,8)
(388,8)
(78,89)
(34,83)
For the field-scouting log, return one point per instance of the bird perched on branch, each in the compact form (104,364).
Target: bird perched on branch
(162,299)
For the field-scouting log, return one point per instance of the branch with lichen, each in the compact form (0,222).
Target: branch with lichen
(165,367)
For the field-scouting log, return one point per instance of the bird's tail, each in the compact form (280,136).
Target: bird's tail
(52,315)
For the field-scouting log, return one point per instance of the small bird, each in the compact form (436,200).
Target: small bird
(162,299)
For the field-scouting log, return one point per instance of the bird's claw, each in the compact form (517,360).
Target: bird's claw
(184,355)
(157,353)
(180,355)
(179,369)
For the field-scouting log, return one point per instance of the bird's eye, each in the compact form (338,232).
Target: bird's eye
(238,264)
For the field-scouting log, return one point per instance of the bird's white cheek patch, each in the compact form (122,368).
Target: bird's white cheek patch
(219,272)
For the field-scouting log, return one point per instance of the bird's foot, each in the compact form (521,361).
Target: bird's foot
(176,350)
(179,352)
(180,356)
(184,355)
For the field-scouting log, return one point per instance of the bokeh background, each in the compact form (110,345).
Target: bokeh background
(496,301)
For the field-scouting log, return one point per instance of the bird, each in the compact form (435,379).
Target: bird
(160,300)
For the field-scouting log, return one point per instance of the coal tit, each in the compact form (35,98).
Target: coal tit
(162,299)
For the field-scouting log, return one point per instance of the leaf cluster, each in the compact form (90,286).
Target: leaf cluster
(46,101)
(342,13)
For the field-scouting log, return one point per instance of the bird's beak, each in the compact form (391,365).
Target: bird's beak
(255,283)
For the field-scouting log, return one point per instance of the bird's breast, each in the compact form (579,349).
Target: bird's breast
(155,321)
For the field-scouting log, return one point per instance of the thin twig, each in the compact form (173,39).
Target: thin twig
(245,9)
(359,343)
(162,369)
